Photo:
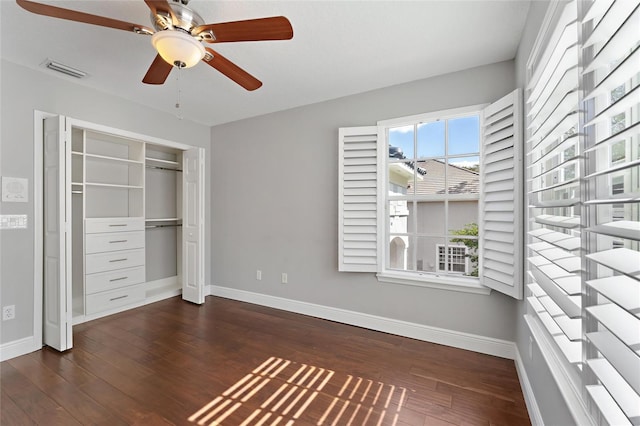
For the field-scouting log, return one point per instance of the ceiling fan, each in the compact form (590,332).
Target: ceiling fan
(179,34)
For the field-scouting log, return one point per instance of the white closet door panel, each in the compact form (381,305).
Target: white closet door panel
(193,226)
(57,236)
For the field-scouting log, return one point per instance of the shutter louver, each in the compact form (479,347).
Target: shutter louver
(553,181)
(500,200)
(610,49)
(358,199)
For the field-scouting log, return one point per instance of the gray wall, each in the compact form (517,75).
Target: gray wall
(23,91)
(551,403)
(276,194)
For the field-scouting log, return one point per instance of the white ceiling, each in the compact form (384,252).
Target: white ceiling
(339,48)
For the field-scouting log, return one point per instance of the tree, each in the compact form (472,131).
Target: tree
(469,230)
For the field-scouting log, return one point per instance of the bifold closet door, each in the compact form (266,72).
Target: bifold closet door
(57,236)
(193,226)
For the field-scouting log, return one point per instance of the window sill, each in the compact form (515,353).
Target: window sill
(461,284)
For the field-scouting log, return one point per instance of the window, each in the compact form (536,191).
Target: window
(451,178)
(433,180)
(584,226)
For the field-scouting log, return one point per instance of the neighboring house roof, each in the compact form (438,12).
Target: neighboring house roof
(461,180)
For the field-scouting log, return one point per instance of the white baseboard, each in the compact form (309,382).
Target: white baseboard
(457,339)
(17,347)
(529,396)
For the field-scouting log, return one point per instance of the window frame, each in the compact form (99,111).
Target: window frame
(449,281)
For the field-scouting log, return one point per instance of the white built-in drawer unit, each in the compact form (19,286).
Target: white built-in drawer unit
(106,300)
(114,263)
(114,279)
(116,224)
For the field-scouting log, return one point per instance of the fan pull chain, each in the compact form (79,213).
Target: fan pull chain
(178,110)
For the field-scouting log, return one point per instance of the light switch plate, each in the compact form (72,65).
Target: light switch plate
(13,221)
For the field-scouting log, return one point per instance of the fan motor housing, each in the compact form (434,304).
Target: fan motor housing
(183,18)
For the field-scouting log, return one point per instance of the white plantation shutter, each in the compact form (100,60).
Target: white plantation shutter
(553,187)
(501,198)
(611,101)
(359,157)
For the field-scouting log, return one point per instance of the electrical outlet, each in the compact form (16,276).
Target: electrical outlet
(284,278)
(258,275)
(8,312)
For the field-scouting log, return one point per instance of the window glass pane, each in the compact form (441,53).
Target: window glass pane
(401,178)
(464,135)
(399,253)
(400,219)
(463,215)
(463,253)
(618,151)
(427,253)
(431,217)
(463,175)
(430,179)
(431,139)
(401,142)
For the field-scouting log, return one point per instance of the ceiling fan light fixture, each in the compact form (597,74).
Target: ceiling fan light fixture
(178,48)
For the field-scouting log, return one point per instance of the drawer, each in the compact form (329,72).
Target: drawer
(114,279)
(106,300)
(116,224)
(102,262)
(112,241)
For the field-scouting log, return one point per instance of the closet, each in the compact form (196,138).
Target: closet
(134,208)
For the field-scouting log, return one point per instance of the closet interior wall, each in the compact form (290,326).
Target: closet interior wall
(163,207)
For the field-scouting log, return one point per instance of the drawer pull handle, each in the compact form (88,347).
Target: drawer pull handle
(118,241)
(118,260)
(119,297)
(118,224)
(118,279)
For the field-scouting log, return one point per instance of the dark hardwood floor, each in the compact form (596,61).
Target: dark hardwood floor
(233,363)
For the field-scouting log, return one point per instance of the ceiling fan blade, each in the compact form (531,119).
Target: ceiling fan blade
(158,71)
(87,18)
(274,28)
(160,6)
(232,71)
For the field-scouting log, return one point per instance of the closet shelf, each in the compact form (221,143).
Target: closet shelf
(161,162)
(111,185)
(163,219)
(111,159)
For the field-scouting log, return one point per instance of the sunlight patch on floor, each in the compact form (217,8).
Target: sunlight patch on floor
(283,392)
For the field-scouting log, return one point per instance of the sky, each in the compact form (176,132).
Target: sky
(463,138)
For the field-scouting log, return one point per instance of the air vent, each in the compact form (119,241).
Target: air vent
(64,69)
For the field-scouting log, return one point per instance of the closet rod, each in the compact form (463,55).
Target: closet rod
(162,168)
(163,226)
(76,192)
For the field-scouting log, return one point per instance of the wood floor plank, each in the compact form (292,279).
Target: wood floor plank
(68,396)
(10,413)
(232,363)
(36,404)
